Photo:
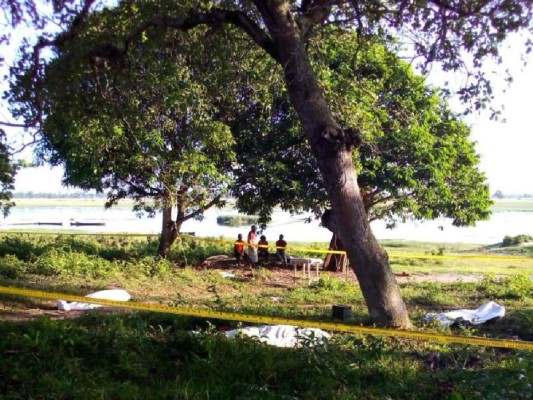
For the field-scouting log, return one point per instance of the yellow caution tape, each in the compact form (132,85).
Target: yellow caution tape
(194,312)
(457,256)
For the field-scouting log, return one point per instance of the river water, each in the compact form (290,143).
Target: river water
(123,220)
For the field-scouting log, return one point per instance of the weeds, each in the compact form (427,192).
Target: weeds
(514,287)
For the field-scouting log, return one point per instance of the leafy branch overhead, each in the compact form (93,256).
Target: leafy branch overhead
(440,31)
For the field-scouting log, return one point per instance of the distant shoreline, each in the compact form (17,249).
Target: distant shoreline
(64,202)
(500,205)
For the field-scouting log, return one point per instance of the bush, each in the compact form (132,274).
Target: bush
(513,287)
(60,262)
(152,266)
(11,267)
(514,240)
(191,252)
(236,220)
(21,247)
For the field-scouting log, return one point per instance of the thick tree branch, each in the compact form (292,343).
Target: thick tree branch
(377,216)
(214,17)
(43,43)
(13,125)
(462,10)
(201,209)
(314,12)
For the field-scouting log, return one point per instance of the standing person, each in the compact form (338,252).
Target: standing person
(238,249)
(280,250)
(252,246)
(263,248)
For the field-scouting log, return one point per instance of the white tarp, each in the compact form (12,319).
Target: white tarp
(480,315)
(110,294)
(282,335)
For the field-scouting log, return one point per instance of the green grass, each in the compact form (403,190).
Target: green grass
(148,356)
(137,355)
(516,205)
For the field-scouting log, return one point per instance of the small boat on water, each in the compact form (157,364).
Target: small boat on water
(37,223)
(78,223)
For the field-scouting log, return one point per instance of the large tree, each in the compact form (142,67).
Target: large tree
(441,30)
(146,132)
(414,160)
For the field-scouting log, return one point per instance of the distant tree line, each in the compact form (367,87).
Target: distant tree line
(58,195)
(498,194)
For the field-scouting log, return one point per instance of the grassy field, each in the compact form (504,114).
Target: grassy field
(46,354)
(517,205)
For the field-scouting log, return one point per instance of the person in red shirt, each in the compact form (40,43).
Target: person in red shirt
(238,249)
(280,250)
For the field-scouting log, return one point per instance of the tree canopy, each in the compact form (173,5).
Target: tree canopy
(144,128)
(414,160)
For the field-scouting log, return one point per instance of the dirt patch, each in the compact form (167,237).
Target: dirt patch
(437,278)
(286,275)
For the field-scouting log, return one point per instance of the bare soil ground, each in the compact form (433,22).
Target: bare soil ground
(287,275)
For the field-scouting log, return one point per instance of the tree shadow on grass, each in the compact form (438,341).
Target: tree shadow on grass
(156,356)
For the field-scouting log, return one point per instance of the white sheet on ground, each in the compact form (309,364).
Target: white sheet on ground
(110,294)
(478,316)
(283,335)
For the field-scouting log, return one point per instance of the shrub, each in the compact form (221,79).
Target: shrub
(60,262)
(513,287)
(191,252)
(152,266)
(11,267)
(236,220)
(21,247)
(515,240)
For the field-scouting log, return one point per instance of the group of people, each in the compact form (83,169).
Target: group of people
(257,249)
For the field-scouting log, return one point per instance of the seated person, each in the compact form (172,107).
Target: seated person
(263,248)
(280,250)
(238,249)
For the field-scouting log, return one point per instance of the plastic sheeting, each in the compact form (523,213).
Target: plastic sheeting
(283,335)
(478,316)
(110,294)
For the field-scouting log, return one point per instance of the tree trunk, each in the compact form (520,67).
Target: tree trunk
(333,149)
(335,262)
(169,232)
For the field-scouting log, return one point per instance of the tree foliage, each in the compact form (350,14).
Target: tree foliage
(8,171)
(142,127)
(414,159)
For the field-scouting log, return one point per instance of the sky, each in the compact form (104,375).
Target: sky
(505,148)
